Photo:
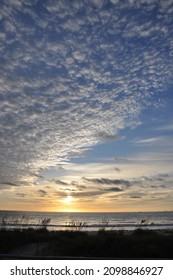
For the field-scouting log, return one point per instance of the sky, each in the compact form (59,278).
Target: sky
(86,98)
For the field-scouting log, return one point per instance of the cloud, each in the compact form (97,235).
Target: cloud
(145,178)
(59,182)
(148,140)
(79,186)
(8,184)
(97,3)
(117,169)
(86,195)
(165,127)
(107,137)
(68,189)
(42,193)
(159,141)
(74,74)
(163,175)
(21,194)
(121,159)
(114,1)
(114,189)
(104,181)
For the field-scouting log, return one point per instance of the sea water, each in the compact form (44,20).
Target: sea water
(86,221)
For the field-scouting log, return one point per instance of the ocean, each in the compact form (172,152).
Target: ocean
(86,221)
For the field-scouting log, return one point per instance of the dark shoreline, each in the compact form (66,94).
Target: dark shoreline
(104,244)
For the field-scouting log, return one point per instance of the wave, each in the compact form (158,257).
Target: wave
(90,226)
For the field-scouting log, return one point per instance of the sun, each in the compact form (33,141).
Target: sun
(68,199)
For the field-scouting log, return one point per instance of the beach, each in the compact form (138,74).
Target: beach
(44,244)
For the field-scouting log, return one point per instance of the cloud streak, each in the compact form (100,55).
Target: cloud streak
(104,181)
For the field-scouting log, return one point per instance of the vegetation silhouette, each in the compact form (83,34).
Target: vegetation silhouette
(77,242)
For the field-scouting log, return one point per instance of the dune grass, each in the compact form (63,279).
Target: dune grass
(105,244)
(77,242)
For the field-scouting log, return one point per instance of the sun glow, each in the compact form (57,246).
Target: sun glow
(68,199)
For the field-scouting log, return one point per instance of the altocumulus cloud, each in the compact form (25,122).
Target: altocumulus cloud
(74,73)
